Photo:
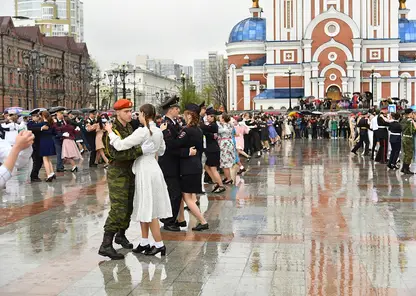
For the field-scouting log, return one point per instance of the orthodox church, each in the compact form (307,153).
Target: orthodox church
(321,48)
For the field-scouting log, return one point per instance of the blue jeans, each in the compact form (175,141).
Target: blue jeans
(334,133)
(58,148)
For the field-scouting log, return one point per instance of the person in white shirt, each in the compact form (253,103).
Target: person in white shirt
(11,128)
(17,156)
(374,139)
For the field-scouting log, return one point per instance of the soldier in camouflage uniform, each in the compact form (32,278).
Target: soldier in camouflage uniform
(409,129)
(120,183)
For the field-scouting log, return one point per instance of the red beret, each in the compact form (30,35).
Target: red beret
(122,104)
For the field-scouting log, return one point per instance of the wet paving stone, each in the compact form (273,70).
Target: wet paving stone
(306,218)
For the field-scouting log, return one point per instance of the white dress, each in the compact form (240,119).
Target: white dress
(151,197)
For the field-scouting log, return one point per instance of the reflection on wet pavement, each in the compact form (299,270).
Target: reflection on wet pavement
(307,219)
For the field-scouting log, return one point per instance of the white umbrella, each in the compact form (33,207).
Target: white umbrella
(317,113)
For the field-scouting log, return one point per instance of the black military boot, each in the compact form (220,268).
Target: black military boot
(403,170)
(122,240)
(407,171)
(106,248)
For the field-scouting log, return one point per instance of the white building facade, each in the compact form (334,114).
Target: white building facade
(328,48)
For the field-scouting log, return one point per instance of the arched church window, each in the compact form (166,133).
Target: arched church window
(288,23)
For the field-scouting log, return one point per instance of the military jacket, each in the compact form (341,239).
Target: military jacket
(125,155)
(169,162)
(408,128)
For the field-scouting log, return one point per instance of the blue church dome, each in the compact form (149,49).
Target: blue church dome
(407,30)
(250,29)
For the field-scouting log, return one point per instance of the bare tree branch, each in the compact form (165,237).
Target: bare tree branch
(218,82)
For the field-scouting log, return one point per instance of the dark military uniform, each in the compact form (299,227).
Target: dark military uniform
(395,130)
(383,137)
(120,180)
(37,159)
(90,136)
(212,149)
(169,163)
(363,125)
(408,145)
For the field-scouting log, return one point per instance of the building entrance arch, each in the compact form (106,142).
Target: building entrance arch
(333,92)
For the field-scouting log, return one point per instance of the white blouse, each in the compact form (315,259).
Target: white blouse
(138,137)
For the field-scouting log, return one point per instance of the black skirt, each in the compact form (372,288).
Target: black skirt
(213,159)
(191,183)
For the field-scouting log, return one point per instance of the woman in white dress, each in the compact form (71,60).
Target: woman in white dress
(151,197)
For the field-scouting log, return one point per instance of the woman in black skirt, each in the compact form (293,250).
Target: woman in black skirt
(212,150)
(190,143)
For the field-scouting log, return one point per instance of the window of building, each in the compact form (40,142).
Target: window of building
(19,80)
(11,101)
(11,78)
(9,54)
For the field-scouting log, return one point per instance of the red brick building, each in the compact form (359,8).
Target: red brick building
(332,47)
(58,81)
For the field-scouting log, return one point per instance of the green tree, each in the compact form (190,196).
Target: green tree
(188,94)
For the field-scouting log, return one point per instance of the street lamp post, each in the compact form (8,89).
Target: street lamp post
(26,78)
(183,79)
(97,82)
(290,73)
(34,62)
(123,72)
(134,88)
(372,86)
(114,74)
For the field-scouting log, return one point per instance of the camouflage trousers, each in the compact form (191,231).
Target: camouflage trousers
(407,150)
(121,190)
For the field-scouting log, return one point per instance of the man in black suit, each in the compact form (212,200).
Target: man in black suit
(36,126)
(91,135)
(169,162)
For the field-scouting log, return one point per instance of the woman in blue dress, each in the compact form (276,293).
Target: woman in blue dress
(47,145)
(274,137)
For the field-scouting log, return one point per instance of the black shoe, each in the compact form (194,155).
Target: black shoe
(35,180)
(93,165)
(49,179)
(122,240)
(219,189)
(140,249)
(181,224)
(354,152)
(391,167)
(60,170)
(154,251)
(174,228)
(74,169)
(227,182)
(201,227)
(106,248)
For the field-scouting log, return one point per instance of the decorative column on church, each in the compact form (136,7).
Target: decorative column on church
(247,97)
(307,79)
(307,48)
(321,87)
(357,77)
(344,84)
(357,49)
(350,75)
(315,92)
(233,87)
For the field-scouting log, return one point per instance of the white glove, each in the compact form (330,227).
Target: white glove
(77,129)
(66,134)
(148,146)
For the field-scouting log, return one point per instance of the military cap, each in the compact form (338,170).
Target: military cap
(94,110)
(212,111)
(193,108)
(364,113)
(170,103)
(122,104)
(202,105)
(408,111)
(36,111)
(54,110)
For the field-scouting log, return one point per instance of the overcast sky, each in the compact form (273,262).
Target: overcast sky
(182,30)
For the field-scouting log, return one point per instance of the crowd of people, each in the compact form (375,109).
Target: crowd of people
(155,164)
